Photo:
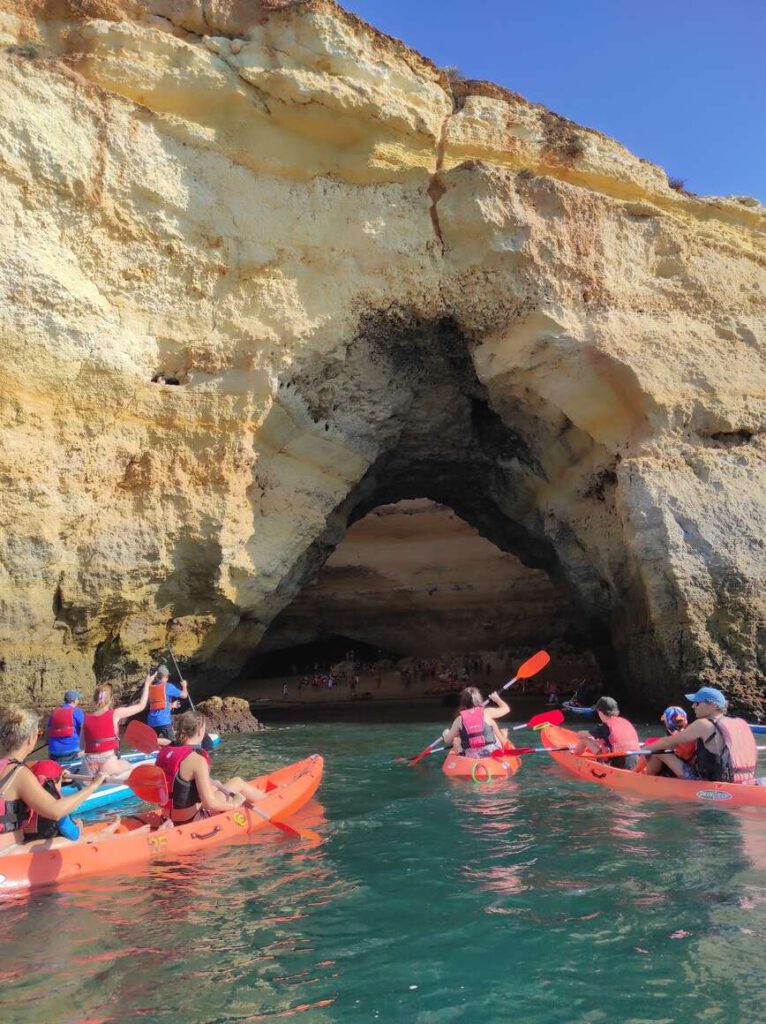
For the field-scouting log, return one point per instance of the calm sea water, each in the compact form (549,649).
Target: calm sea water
(429,900)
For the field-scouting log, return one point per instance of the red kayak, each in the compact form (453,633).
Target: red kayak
(131,848)
(655,787)
(481,769)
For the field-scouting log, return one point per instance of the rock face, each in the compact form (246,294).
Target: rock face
(228,715)
(264,269)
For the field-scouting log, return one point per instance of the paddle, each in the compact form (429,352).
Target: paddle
(178,671)
(530,667)
(142,737)
(288,830)
(147,781)
(544,718)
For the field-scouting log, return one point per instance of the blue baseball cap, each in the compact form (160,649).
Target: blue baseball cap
(708,693)
(71,696)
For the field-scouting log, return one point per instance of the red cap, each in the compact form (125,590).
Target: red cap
(45,770)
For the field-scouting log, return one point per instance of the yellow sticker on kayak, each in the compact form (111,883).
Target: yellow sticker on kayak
(239,819)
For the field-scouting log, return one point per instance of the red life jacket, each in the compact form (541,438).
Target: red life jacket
(61,724)
(12,812)
(170,759)
(158,697)
(100,734)
(473,728)
(622,735)
(743,752)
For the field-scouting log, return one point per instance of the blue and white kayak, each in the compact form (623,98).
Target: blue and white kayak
(575,709)
(758,728)
(115,792)
(136,757)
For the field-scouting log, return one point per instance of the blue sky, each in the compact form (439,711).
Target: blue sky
(680,83)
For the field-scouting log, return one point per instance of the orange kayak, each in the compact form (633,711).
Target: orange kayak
(133,846)
(481,769)
(653,787)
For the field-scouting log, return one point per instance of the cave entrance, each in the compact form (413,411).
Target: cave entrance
(415,598)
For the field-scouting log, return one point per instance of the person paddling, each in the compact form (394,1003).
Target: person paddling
(674,719)
(614,733)
(186,764)
(162,695)
(475,732)
(64,729)
(101,729)
(48,832)
(725,747)
(20,792)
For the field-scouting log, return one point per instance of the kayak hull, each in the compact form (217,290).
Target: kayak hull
(480,769)
(577,711)
(649,787)
(136,757)
(129,850)
(759,729)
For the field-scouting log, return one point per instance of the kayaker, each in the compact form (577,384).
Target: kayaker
(64,729)
(20,792)
(475,732)
(36,827)
(186,764)
(101,729)
(674,719)
(613,733)
(725,747)
(162,695)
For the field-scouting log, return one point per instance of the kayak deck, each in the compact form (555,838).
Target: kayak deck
(653,787)
(481,769)
(131,846)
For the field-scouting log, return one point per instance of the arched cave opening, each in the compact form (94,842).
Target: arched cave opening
(414,594)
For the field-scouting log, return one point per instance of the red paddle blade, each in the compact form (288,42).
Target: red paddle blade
(149,783)
(142,737)
(423,753)
(533,665)
(546,718)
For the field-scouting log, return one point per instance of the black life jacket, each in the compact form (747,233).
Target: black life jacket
(36,827)
(12,812)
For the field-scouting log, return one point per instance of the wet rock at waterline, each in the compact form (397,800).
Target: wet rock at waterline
(228,715)
(264,269)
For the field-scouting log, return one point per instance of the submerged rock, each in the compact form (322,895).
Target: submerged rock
(264,268)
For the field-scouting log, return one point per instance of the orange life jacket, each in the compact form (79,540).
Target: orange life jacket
(622,735)
(740,755)
(158,697)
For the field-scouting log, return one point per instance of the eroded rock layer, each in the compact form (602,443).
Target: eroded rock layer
(264,268)
(414,579)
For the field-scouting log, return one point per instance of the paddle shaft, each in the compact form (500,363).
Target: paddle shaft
(178,670)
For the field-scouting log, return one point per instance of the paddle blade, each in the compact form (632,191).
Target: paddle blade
(289,830)
(141,736)
(533,665)
(546,718)
(149,783)
(423,753)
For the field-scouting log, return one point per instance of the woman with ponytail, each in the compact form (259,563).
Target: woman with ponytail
(101,729)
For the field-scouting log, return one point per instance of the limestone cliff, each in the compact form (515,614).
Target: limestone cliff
(264,268)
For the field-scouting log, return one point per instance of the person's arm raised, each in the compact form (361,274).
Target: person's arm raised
(134,709)
(500,709)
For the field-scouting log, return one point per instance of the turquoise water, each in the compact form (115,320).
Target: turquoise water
(429,900)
